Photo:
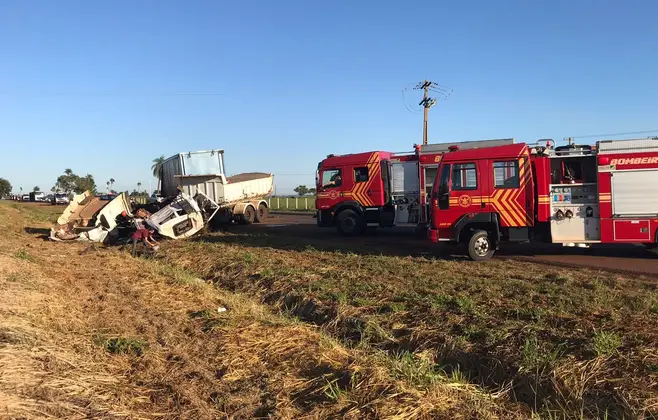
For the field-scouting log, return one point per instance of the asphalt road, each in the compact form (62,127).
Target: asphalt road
(624,259)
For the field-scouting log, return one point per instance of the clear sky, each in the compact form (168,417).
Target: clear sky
(90,84)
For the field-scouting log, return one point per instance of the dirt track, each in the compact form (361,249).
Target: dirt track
(627,259)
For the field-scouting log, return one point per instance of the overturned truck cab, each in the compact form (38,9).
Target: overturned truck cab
(181,218)
(91,219)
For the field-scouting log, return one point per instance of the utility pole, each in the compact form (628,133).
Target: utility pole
(426,103)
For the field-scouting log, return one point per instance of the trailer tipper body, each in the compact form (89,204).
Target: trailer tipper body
(482,194)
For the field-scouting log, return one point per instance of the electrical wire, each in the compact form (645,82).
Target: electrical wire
(293,174)
(409,107)
(628,133)
(92,94)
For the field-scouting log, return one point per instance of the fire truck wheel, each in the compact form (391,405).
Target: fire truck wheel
(262,213)
(349,223)
(480,247)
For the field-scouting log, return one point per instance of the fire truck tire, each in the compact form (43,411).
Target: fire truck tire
(480,246)
(349,223)
(262,213)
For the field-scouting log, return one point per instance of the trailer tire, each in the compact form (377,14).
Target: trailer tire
(480,246)
(262,213)
(349,223)
(248,216)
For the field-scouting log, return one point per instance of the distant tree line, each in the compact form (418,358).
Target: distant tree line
(71,183)
(303,190)
(5,187)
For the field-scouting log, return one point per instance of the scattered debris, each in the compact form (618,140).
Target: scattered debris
(90,219)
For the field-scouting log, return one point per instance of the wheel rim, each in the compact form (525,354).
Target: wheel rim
(481,246)
(348,224)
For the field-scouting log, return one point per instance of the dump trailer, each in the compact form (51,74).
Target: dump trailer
(202,175)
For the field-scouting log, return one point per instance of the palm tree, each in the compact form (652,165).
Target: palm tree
(36,189)
(108,186)
(112,181)
(139,185)
(157,169)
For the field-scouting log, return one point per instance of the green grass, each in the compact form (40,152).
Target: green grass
(606,343)
(122,345)
(561,343)
(22,254)
(498,323)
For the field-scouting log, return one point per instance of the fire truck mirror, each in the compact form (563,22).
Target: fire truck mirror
(589,211)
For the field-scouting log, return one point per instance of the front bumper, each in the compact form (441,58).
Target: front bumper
(433,235)
(324,218)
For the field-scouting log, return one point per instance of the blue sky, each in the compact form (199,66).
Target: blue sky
(88,84)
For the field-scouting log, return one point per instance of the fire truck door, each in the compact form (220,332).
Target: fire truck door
(333,184)
(368,185)
(512,193)
(459,192)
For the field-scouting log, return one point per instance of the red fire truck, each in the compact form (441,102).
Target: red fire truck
(485,193)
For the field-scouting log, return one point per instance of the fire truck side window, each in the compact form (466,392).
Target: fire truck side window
(506,174)
(464,176)
(360,174)
(443,187)
(331,178)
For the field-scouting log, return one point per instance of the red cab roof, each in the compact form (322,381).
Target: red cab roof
(494,152)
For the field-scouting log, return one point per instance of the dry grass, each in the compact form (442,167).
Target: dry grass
(562,343)
(89,332)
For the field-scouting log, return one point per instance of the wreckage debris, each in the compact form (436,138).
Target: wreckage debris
(90,219)
(109,219)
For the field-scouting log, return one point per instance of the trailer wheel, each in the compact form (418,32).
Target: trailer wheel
(349,223)
(248,216)
(262,213)
(480,246)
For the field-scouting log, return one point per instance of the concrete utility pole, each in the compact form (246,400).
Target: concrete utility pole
(426,103)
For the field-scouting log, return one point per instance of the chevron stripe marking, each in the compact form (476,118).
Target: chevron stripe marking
(507,202)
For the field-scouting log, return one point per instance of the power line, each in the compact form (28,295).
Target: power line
(293,174)
(427,102)
(92,94)
(628,133)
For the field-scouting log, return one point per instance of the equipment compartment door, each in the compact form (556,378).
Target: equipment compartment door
(632,231)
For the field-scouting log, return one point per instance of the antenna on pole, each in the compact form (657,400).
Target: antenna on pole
(441,93)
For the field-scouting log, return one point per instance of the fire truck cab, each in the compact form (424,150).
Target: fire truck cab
(353,191)
(572,195)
